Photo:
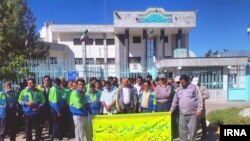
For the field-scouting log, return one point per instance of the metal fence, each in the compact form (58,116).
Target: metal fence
(60,67)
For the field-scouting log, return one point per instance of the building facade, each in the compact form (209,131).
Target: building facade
(146,42)
(131,46)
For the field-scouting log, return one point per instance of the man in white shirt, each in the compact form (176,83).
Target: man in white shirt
(108,99)
(126,98)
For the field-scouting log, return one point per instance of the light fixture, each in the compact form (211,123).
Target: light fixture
(179,68)
(229,67)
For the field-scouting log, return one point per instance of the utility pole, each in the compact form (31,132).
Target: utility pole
(84,60)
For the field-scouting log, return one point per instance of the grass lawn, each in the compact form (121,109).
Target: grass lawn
(228,116)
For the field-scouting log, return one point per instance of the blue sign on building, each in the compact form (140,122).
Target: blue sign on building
(155,18)
(72,75)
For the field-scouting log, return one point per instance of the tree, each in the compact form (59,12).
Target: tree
(225,50)
(215,53)
(209,53)
(18,39)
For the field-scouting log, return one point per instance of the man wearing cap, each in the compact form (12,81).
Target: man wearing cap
(177,83)
(189,100)
(163,95)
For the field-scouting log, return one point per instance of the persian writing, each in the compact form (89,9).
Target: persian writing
(155,18)
(134,127)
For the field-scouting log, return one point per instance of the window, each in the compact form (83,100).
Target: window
(89,61)
(98,41)
(110,41)
(136,39)
(236,77)
(211,77)
(90,42)
(165,39)
(134,59)
(111,61)
(99,61)
(77,41)
(151,52)
(78,61)
(53,60)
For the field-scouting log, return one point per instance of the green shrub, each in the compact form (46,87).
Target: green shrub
(227,117)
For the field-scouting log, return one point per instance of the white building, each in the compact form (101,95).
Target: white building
(135,41)
(144,42)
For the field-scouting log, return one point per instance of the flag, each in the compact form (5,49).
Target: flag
(84,36)
(150,34)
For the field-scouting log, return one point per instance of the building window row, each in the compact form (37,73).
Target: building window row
(91,41)
(100,61)
(92,61)
(78,61)
(137,39)
(211,77)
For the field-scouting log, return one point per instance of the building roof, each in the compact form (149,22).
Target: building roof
(202,62)
(81,28)
(56,46)
(236,53)
(155,18)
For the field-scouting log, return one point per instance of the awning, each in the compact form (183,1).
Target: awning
(202,62)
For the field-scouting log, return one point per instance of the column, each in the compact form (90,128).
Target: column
(225,83)
(144,35)
(179,38)
(118,53)
(162,43)
(105,56)
(127,50)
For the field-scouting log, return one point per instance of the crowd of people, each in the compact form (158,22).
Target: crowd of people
(65,106)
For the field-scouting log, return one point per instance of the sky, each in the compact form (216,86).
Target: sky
(220,24)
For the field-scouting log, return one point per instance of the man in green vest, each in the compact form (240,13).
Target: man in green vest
(57,103)
(79,109)
(8,111)
(32,101)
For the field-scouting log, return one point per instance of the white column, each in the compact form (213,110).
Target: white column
(225,81)
(105,56)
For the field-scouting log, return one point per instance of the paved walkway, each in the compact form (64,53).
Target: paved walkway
(210,106)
